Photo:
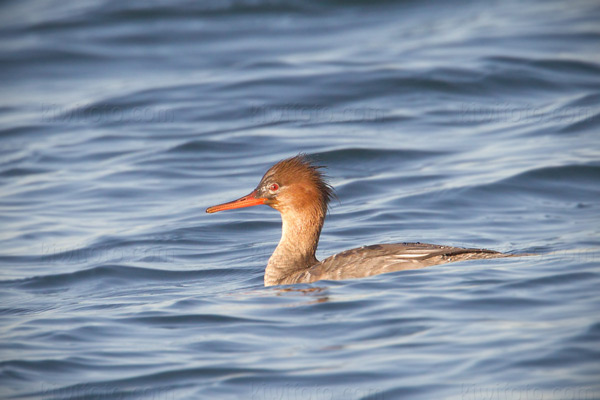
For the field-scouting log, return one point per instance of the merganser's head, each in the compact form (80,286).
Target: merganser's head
(292,185)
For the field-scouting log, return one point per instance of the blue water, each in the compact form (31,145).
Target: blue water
(467,123)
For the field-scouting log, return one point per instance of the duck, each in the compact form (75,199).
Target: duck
(299,190)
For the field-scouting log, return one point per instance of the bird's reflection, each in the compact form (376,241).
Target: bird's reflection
(318,294)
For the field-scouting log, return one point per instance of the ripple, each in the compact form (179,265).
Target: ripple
(109,274)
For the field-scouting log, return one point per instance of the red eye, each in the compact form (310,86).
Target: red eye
(274,187)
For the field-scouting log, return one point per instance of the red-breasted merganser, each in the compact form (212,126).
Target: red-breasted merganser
(298,190)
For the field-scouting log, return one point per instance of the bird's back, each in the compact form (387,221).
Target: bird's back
(381,258)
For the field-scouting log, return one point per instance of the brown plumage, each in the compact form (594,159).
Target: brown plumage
(302,185)
(299,191)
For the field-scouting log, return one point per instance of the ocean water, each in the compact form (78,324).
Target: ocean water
(467,123)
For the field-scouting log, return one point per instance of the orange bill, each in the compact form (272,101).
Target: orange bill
(246,201)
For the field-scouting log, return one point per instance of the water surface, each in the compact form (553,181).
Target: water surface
(466,123)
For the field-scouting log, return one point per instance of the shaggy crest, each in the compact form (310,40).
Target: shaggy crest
(300,170)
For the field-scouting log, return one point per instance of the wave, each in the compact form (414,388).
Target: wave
(113,275)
